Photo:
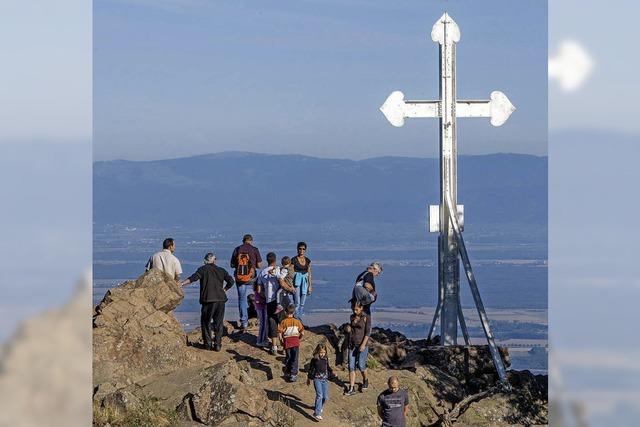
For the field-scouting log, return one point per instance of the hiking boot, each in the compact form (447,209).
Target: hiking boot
(350,391)
(293,378)
(317,417)
(273,351)
(365,385)
(217,347)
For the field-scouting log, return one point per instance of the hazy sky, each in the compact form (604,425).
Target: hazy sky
(45,166)
(45,78)
(176,78)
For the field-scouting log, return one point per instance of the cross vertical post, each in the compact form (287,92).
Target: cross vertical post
(447,218)
(446,33)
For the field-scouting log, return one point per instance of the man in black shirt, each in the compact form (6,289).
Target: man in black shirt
(364,290)
(393,404)
(214,282)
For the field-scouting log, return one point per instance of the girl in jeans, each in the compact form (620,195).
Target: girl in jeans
(319,373)
(359,329)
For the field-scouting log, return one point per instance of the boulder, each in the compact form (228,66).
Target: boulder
(472,365)
(121,400)
(394,350)
(503,409)
(134,331)
(229,389)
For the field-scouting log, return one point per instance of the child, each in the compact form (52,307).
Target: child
(319,373)
(261,310)
(359,330)
(285,298)
(290,331)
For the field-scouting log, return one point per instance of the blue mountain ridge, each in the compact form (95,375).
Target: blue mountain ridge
(236,188)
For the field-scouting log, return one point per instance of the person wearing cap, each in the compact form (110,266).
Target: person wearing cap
(214,282)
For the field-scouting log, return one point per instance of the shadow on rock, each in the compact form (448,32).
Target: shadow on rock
(254,362)
(290,401)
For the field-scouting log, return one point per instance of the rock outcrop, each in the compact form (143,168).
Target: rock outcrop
(134,332)
(147,370)
(471,365)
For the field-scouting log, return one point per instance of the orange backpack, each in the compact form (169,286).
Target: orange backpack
(244,270)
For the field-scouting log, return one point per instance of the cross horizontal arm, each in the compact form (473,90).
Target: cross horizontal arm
(396,109)
(499,108)
(473,109)
(421,109)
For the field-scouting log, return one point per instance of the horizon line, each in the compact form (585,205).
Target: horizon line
(246,153)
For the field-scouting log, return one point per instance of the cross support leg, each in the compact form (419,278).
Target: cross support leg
(484,320)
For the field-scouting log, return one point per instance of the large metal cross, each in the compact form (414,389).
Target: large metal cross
(448,217)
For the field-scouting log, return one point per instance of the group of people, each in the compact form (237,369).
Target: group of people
(278,293)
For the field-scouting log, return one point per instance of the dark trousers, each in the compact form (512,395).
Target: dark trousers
(291,360)
(212,311)
(273,319)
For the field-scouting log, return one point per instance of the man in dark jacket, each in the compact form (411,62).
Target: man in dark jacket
(214,282)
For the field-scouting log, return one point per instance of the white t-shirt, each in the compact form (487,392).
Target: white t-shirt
(269,279)
(165,261)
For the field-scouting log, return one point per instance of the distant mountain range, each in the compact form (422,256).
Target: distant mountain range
(234,189)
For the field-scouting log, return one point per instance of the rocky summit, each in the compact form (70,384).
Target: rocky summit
(148,371)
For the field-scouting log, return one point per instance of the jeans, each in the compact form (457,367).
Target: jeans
(322,394)
(263,332)
(299,299)
(243,306)
(291,360)
(358,359)
(301,285)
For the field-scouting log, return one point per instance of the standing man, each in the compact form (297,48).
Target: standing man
(245,260)
(393,404)
(364,290)
(165,260)
(272,278)
(214,282)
